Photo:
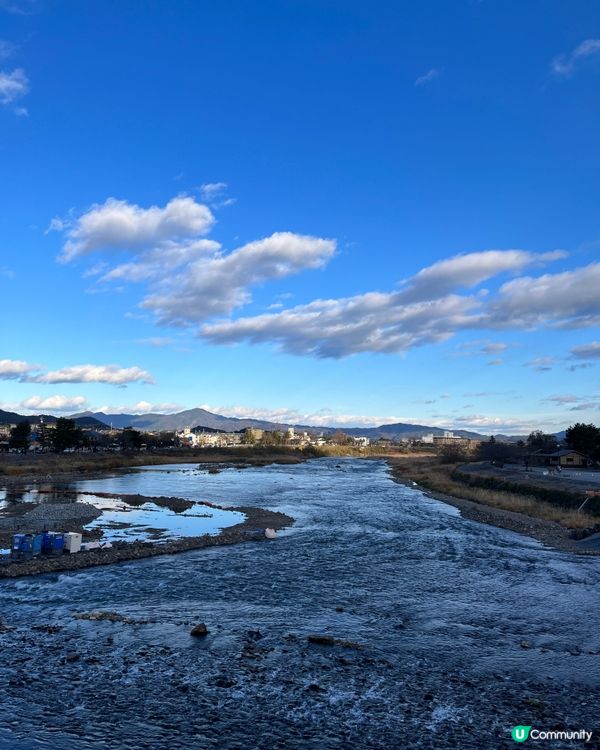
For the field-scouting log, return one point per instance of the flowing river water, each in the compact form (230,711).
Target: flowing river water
(466,630)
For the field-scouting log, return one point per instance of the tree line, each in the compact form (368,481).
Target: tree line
(66,435)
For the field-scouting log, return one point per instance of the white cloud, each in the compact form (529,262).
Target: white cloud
(16,369)
(480,347)
(568,299)
(494,347)
(431,75)
(142,407)
(212,190)
(488,424)
(471,269)
(119,225)
(13,86)
(575,403)
(112,374)
(541,364)
(156,341)
(587,351)
(563,399)
(320,418)
(564,65)
(54,403)
(218,285)
(189,278)
(424,311)
(157,263)
(373,322)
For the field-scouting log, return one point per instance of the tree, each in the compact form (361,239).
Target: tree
(340,438)
(131,439)
(495,451)
(584,438)
(272,438)
(44,435)
(66,435)
(248,438)
(19,436)
(540,441)
(453,454)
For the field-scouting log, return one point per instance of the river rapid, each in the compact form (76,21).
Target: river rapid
(466,630)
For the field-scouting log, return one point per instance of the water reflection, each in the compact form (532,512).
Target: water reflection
(150,522)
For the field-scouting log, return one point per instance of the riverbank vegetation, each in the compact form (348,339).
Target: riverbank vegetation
(558,505)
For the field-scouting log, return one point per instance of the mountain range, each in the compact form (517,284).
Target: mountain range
(201,418)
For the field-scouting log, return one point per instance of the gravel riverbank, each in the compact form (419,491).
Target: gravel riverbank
(547,532)
(252,529)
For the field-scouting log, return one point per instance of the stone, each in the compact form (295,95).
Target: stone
(199,630)
(322,640)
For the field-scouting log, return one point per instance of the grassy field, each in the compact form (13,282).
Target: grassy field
(42,464)
(430,474)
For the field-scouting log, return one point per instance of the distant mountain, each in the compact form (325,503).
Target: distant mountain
(188,418)
(201,418)
(205,419)
(11,417)
(404,430)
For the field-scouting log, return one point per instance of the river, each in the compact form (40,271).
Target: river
(465,630)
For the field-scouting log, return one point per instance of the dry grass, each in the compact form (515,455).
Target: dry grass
(43,464)
(433,476)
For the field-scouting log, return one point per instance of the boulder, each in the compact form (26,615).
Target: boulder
(199,630)
(322,640)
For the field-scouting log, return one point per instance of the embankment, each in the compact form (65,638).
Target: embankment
(250,530)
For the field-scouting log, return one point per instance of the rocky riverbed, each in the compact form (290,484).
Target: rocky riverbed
(380,619)
(250,530)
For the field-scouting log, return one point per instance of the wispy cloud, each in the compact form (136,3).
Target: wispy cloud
(587,351)
(111,374)
(7,49)
(16,369)
(426,310)
(190,278)
(565,65)
(54,403)
(157,341)
(13,87)
(215,194)
(142,407)
(431,75)
(541,364)
(26,372)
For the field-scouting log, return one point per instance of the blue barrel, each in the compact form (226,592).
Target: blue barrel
(47,539)
(22,548)
(58,544)
(18,546)
(36,546)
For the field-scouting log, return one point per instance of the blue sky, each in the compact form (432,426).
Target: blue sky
(329,212)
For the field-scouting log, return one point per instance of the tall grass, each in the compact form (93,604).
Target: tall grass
(439,478)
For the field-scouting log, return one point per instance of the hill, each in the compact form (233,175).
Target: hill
(208,420)
(179,420)
(85,420)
